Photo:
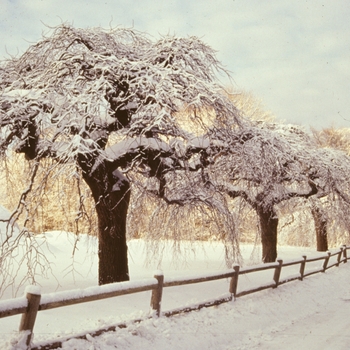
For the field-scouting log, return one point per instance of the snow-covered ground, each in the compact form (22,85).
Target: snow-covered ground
(312,314)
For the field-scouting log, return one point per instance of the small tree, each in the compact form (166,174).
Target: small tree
(106,102)
(265,164)
(330,169)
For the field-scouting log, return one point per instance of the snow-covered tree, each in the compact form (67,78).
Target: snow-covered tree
(107,103)
(331,204)
(265,164)
(272,164)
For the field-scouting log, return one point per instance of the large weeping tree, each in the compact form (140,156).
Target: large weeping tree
(107,102)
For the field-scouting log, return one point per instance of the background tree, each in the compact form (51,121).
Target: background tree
(104,103)
(252,108)
(265,165)
(330,206)
(333,138)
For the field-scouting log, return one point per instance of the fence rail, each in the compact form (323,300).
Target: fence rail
(33,302)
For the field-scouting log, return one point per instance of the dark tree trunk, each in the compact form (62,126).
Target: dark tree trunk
(111,192)
(321,228)
(268,226)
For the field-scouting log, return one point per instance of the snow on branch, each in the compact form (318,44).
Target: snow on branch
(80,81)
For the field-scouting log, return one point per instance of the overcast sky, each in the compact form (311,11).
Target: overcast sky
(293,55)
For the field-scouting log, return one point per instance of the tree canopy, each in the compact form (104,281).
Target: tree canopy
(77,86)
(108,102)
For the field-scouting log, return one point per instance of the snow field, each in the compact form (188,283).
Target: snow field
(311,314)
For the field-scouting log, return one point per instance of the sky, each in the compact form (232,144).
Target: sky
(293,56)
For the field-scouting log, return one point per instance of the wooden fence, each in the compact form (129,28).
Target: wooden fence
(33,302)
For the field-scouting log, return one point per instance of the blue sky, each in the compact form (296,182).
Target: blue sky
(294,56)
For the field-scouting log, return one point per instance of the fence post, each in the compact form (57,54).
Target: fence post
(277,274)
(33,295)
(326,259)
(156,298)
(302,268)
(234,282)
(345,254)
(339,256)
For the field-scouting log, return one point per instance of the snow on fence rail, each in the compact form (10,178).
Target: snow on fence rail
(33,301)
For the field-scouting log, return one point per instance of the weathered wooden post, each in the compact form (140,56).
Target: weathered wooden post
(277,274)
(345,256)
(339,255)
(302,268)
(33,295)
(156,299)
(325,263)
(234,281)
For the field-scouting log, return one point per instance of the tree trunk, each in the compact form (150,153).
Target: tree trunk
(321,228)
(111,192)
(268,226)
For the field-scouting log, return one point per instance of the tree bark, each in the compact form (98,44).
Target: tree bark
(320,228)
(268,221)
(111,193)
